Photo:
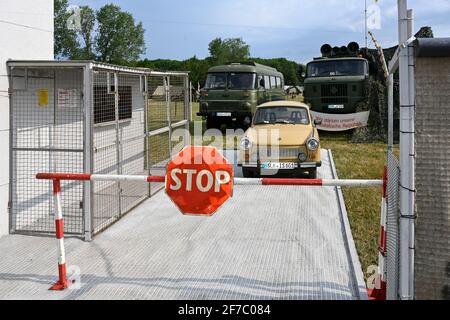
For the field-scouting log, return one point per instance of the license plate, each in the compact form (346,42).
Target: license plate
(280,165)
(224,114)
(336,106)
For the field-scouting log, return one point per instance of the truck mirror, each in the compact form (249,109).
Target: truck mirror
(317,122)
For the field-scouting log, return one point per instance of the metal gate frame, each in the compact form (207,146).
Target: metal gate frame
(138,79)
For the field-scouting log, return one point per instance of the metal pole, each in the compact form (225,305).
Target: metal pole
(62,282)
(412,153)
(146,130)
(365,26)
(88,148)
(406,158)
(390,112)
(118,139)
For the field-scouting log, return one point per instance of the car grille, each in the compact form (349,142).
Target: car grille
(281,153)
(334,93)
(288,153)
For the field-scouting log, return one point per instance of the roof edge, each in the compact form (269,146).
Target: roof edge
(432,47)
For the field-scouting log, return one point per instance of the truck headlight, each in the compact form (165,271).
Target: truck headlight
(312,144)
(246,144)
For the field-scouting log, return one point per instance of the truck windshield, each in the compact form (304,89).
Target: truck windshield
(337,68)
(232,81)
(283,115)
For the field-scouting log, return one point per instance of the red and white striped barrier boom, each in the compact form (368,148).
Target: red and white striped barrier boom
(236,181)
(63,283)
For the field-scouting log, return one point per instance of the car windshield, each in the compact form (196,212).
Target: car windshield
(282,115)
(337,68)
(232,81)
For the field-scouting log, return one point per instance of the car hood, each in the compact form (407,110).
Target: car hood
(283,135)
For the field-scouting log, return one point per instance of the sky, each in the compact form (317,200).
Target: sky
(293,29)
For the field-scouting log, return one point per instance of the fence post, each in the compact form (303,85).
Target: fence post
(62,282)
(168,108)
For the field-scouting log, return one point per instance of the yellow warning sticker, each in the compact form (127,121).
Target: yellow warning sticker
(42,97)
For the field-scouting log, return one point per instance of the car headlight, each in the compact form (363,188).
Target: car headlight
(312,144)
(302,157)
(246,144)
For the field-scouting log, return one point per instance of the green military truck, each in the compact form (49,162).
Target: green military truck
(338,82)
(233,91)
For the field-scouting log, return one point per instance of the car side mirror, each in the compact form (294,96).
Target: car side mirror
(317,122)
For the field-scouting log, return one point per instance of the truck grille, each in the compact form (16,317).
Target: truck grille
(224,105)
(334,93)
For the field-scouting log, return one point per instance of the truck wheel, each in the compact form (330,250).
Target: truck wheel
(312,173)
(210,123)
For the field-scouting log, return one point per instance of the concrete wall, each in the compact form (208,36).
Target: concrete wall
(26,32)
(432,262)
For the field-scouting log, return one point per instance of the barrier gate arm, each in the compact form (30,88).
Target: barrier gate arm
(236,181)
(63,282)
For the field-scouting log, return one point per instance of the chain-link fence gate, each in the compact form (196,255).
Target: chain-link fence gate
(392,227)
(168,119)
(95,118)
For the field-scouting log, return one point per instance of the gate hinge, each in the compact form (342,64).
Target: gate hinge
(81,205)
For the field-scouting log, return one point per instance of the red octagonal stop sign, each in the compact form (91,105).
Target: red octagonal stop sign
(199,180)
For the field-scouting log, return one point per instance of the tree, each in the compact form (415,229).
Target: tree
(86,33)
(228,50)
(65,40)
(198,70)
(290,69)
(119,40)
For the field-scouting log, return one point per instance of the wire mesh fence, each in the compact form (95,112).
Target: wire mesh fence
(392,228)
(46,135)
(92,118)
(168,110)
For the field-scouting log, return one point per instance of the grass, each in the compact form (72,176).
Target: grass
(353,161)
(360,161)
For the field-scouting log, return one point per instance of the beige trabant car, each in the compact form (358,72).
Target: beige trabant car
(282,139)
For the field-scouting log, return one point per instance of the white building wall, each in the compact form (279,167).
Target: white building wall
(26,33)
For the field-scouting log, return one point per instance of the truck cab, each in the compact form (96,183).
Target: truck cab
(338,82)
(233,91)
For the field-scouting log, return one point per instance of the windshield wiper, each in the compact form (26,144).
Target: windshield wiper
(284,121)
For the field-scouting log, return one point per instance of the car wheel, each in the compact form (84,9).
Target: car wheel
(248,173)
(312,173)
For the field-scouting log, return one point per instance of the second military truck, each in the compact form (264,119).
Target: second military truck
(233,91)
(338,82)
